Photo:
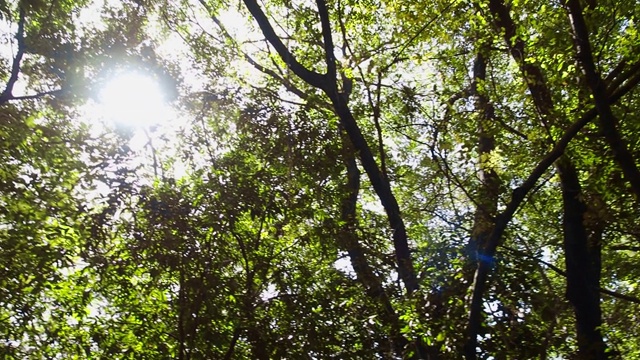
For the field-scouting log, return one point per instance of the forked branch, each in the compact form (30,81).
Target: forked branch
(328,84)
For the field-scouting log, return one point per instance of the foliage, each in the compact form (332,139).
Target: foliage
(345,179)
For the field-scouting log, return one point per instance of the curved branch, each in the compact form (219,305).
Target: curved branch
(311,77)
(7,94)
(290,86)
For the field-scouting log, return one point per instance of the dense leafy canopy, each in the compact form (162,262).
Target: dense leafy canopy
(339,179)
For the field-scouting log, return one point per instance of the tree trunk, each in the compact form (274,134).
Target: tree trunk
(608,121)
(349,243)
(582,266)
(487,201)
(574,230)
(328,83)
(373,285)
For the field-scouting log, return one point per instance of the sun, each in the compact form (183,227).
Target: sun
(134,99)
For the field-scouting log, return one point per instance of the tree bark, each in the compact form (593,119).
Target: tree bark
(582,261)
(517,197)
(361,266)
(488,199)
(542,99)
(328,83)
(7,93)
(349,243)
(487,202)
(607,120)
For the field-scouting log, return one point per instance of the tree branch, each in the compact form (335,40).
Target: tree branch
(532,74)
(543,101)
(625,247)
(36,95)
(234,340)
(608,121)
(562,273)
(376,122)
(311,77)
(518,196)
(7,94)
(351,243)
(380,184)
(265,70)
(618,80)
(327,37)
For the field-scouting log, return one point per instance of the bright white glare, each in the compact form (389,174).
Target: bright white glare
(344,264)
(134,99)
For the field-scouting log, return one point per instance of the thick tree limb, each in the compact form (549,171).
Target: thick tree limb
(311,77)
(542,99)
(7,93)
(532,74)
(329,85)
(287,84)
(327,37)
(608,121)
(582,263)
(517,198)
(502,220)
(376,122)
(234,340)
(351,244)
(383,189)
(487,202)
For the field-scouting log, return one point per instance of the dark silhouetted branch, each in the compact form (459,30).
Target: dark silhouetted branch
(329,85)
(311,77)
(608,121)
(7,94)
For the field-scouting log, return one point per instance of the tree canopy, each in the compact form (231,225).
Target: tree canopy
(328,179)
